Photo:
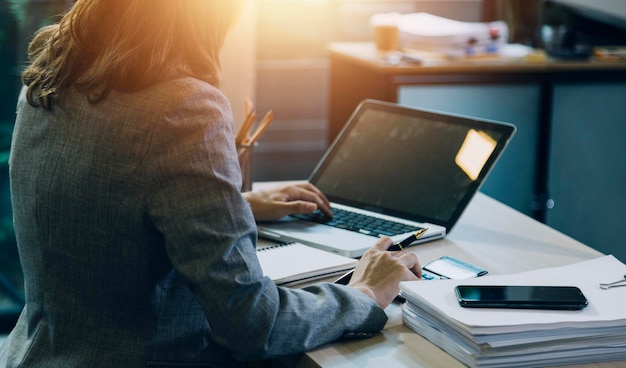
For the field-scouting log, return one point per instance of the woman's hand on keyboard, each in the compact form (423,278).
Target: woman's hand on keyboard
(272,204)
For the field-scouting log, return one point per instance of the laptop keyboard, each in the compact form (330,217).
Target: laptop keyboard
(360,223)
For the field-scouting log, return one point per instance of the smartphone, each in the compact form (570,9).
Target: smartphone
(521,297)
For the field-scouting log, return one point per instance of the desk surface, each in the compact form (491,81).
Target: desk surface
(489,234)
(365,54)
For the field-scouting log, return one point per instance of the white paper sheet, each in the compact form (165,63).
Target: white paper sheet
(606,307)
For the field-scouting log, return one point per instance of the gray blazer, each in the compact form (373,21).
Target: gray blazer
(137,247)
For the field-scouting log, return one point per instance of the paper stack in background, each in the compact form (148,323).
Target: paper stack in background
(455,39)
(481,337)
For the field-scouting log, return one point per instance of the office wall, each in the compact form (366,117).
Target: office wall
(613,7)
(292,70)
(238,60)
(588,165)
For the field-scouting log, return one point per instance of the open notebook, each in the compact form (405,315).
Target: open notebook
(292,263)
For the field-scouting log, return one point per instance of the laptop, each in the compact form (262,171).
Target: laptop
(391,171)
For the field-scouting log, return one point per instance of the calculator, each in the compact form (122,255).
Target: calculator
(450,268)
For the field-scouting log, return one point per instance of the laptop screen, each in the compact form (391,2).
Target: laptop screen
(414,164)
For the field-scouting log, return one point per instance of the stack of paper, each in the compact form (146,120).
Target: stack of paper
(427,32)
(525,338)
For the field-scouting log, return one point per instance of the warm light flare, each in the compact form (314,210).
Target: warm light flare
(474,153)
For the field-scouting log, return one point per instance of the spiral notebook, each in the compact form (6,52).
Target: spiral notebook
(293,263)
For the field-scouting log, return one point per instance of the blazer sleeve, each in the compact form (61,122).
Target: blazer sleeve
(193,190)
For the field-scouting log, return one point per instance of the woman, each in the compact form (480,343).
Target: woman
(137,247)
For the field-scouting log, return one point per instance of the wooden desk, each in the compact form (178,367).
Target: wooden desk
(358,72)
(490,235)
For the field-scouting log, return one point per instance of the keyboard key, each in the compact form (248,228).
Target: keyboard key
(357,222)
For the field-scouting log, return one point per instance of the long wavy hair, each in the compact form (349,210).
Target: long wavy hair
(127,45)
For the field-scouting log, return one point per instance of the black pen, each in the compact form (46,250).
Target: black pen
(345,278)
(406,242)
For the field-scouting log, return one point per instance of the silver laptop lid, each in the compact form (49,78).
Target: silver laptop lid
(416,164)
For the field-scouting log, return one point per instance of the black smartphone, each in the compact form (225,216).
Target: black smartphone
(521,297)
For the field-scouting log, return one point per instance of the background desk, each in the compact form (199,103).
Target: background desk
(571,120)
(490,235)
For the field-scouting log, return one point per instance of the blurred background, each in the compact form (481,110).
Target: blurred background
(278,56)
